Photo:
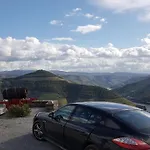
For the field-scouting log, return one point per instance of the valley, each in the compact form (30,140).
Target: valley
(79,86)
(138,91)
(46,85)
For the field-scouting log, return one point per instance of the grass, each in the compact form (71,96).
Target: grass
(122,101)
(50,96)
(116,100)
(54,96)
(62,102)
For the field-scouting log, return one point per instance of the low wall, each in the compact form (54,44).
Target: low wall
(38,103)
(49,104)
(2,109)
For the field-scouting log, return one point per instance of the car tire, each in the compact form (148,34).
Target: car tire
(37,131)
(91,147)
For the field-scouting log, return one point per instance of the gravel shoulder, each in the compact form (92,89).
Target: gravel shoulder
(17,134)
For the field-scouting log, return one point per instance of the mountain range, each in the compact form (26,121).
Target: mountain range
(46,85)
(138,92)
(132,86)
(106,80)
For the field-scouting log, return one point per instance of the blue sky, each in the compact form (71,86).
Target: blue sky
(21,18)
(84,24)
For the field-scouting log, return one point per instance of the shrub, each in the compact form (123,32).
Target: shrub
(19,110)
(62,102)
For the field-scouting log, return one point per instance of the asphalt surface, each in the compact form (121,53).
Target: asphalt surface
(16,134)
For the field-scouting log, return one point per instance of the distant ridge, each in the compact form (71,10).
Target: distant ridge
(139,91)
(46,85)
(106,80)
(38,73)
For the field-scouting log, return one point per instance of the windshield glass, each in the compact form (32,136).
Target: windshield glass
(137,119)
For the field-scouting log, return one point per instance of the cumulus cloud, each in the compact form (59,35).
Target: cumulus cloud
(30,53)
(87,28)
(62,39)
(123,5)
(88,15)
(79,13)
(73,12)
(56,22)
(103,20)
(76,9)
(145,17)
(142,6)
(96,17)
(92,16)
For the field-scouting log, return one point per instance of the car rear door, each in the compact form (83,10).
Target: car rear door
(55,127)
(107,129)
(78,128)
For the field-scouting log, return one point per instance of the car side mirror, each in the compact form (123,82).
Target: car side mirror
(51,115)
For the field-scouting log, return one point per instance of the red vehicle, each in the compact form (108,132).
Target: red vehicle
(15,96)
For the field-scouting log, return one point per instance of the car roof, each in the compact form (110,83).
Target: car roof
(108,107)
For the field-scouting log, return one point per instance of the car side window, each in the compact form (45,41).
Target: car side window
(65,111)
(109,123)
(95,118)
(81,115)
(99,119)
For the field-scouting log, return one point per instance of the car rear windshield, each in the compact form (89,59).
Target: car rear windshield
(137,119)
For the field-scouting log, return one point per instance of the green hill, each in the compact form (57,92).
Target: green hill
(45,85)
(106,80)
(139,91)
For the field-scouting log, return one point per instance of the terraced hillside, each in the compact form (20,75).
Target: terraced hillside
(106,80)
(139,91)
(46,85)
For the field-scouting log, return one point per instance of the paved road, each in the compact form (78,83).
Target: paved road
(16,134)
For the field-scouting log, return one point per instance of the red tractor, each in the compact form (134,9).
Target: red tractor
(15,96)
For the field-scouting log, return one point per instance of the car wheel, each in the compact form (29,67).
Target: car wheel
(37,131)
(91,147)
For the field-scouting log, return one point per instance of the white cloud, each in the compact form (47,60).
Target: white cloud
(102,20)
(62,39)
(30,53)
(88,15)
(96,17)
(91,16)
(73,12)
(146,40)
(78,12)
(141,6)
(87,28)
(56,22)
(145,17)
(123,5)
(70,14)
(76,9)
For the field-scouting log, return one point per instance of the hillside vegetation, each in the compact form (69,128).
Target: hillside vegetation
(139,91)
(45,85)
(106,80)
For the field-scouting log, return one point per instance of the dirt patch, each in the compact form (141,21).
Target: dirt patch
(16,133)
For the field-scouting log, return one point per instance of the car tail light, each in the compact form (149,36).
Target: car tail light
(131,143)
